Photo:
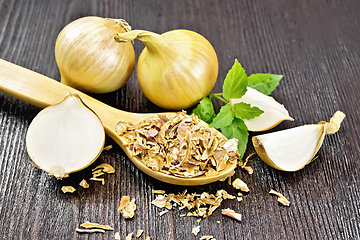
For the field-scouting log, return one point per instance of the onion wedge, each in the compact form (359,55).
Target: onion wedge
(291,149)
(274,112)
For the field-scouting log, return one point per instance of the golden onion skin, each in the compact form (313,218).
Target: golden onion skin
(88,57)
(177,75)
(176,69)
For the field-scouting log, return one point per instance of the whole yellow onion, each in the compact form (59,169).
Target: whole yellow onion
(176,69)
(88,57)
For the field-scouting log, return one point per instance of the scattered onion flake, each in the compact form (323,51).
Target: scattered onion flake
(68,189)
(128,237)
(127,208)
(195,230)
(239,184)
(163,212)
(107,148)
(101,170)
(102,180)
(117,236)
(207,237)
(240,197)
(79,230)
(247,168)
(231,213)
(281,198)
(98,173)
(89,225)
(199,205)
(158,191)
(139,233)
(179,145)
(105,167)
(84,184)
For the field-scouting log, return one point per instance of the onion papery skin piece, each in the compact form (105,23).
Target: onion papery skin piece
(88,57)
(65,138)
(176,69)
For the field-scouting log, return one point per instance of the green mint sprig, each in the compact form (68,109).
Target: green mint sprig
(230,119)
(264,82)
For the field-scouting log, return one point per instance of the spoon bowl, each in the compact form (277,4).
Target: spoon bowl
(42,91)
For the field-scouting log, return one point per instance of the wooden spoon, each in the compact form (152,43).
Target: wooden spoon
(42,91)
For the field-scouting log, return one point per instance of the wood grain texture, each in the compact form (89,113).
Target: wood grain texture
(314,44)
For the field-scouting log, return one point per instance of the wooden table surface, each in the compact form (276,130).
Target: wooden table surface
(314,44)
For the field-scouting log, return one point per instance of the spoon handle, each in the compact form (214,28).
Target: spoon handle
(29,86)
(42,91)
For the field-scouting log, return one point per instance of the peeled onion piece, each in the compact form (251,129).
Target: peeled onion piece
(65,137)
(274,112)
(292,149)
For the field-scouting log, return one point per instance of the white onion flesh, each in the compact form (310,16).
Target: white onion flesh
(273,114)
(65,137)
(291,149)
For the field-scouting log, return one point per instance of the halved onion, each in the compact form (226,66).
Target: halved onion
(65,137)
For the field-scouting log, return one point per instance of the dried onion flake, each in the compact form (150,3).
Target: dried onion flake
(180,145)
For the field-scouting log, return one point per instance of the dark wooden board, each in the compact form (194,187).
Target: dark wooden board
(314,44)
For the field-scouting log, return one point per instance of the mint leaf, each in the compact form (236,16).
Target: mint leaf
(235,82)
(264,82)
(245,111)
(230,117)
(224,117)
(237,129)
(205,110)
